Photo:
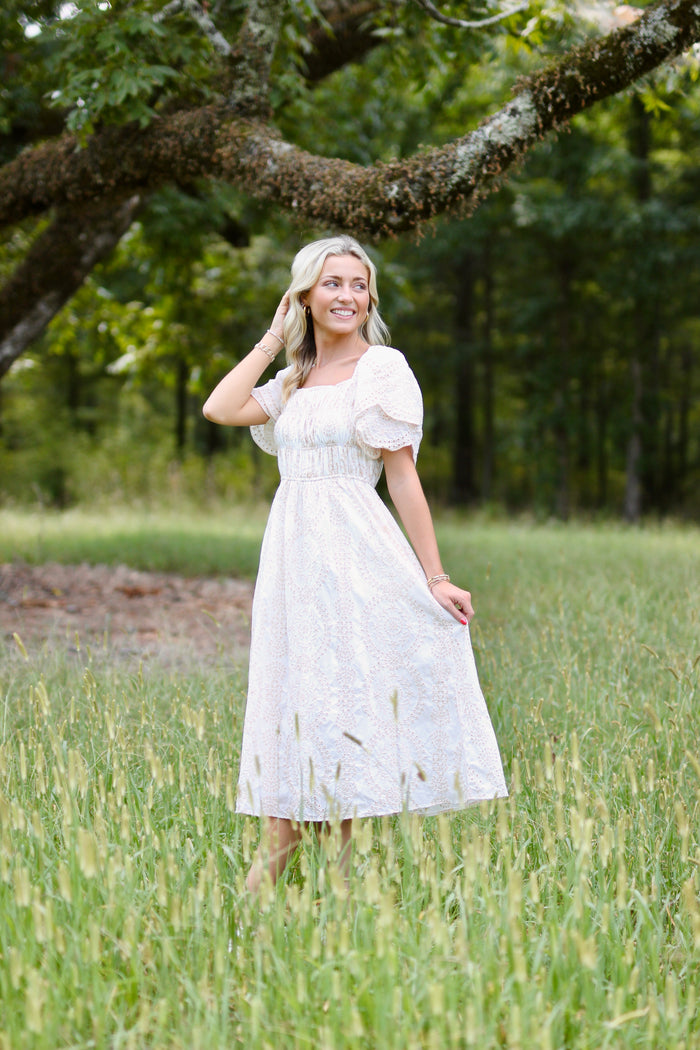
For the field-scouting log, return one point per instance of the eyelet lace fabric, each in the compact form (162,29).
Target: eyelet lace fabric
(363,695)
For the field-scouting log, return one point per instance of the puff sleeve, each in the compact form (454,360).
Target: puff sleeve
(269,397)
(388,407)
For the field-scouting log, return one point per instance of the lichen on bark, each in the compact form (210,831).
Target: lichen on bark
(253,55)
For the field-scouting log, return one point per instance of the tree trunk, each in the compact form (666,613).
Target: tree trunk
(684,419)
(182,375)
(562,398)
(488,394)
(633,491)
(213,438)
(668,467)
(601,441)
(352,36)
(583,435)
(463,481)
(653,494)
(640,142)
(55,267)
(73,386)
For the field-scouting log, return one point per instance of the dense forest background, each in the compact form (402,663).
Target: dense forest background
(554,329)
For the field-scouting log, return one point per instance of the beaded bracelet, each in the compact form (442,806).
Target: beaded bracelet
(441,577)
(267,350)
(280,341)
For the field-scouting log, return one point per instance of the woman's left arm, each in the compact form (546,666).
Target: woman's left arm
(409,499)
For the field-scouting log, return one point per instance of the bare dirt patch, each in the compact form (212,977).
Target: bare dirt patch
(125,614)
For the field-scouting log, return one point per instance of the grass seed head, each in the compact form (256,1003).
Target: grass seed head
(20,645)
(35,1000)
(15,959)
(691,903)
(87,853)
(64,883)
(22,886)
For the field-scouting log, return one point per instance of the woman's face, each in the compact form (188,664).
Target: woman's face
(339,301)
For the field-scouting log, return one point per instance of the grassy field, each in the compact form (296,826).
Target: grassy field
(567,916)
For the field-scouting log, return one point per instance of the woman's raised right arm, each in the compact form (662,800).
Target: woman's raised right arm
(231,402)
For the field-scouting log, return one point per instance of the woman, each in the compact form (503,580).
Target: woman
(363,696)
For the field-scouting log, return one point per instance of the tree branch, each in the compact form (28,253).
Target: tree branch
(205,23)
(54,268)
(460,23)
(350,36)
(371,201)
(255,49)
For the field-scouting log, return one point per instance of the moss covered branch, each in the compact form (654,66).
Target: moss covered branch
(372,201)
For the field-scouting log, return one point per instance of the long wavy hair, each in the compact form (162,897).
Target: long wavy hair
(299,328)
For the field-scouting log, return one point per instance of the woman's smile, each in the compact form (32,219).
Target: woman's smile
(341,294)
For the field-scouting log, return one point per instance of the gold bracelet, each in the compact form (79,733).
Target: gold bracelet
(441,577)
(267,350)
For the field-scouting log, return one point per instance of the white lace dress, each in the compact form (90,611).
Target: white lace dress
(363,696)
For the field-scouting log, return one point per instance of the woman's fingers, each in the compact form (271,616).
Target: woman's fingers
(281,311)
(461,611)
(456,601)
(464,605)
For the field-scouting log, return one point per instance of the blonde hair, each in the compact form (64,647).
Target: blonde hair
(298,328)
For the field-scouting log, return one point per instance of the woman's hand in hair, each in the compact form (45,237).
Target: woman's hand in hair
(277,325)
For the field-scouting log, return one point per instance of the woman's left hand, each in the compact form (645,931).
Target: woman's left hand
(457,602)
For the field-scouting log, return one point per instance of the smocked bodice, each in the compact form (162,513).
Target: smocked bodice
(340,431)
(315,438)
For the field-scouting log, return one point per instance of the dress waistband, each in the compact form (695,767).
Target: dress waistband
(328,461)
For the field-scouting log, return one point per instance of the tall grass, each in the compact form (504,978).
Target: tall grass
(567,915)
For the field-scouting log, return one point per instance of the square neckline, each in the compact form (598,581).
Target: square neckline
(332,386)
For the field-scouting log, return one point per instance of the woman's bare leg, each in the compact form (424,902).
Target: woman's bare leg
(345,855)
(279,840)
(344,830)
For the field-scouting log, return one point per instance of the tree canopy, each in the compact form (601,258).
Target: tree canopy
(162,125)
(106,103)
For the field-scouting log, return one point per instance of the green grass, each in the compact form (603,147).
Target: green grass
(191,542)
(565,916)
